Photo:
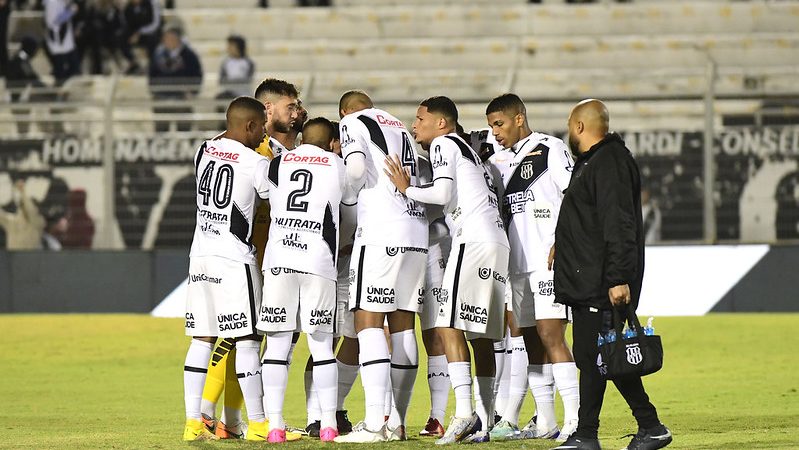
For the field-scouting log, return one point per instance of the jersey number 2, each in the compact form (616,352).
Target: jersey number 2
(293,203)
(222,185)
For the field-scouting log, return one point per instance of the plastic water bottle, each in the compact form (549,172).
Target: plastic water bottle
(629,333)
(600,340)
(649,330)
(611,336)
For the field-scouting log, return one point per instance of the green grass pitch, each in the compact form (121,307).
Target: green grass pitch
(115,381)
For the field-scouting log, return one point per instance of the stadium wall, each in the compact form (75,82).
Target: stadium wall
(679,281)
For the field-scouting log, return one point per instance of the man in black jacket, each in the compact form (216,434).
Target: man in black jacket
(599,265)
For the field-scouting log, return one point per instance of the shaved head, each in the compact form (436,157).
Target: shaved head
(246,119)
(589,122)
(353,101)
(319,132)
(594,114)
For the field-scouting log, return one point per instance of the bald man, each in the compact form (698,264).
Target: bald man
(222,298)
(599,265)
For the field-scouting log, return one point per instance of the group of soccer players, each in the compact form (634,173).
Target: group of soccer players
(353,234)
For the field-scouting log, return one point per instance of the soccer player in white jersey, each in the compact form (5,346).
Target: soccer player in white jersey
(306,186)
(224,282)
(535,169)
(472,295)
(388,262)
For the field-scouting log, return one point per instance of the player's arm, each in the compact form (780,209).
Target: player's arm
(437,193)
(261,178)
(560,160)
(348,211)
(354,148)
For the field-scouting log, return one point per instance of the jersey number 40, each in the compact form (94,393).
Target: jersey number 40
(222,181)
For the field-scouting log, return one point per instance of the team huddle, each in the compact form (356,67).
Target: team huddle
(350,236)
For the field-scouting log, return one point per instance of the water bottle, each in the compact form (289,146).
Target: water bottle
(610,337)
(629,333)
(649,330)
(600,340)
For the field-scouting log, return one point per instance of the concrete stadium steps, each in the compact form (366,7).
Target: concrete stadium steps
(754,50)
(436,20)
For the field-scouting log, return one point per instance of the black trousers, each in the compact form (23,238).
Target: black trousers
(587,325)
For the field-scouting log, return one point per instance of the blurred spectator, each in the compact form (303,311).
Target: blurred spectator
(143,20)
(235,75)
(5,11)
(60,39)
(20,76)
(175,73)
(80,227)
(651,215)
(106,28)
(24,226)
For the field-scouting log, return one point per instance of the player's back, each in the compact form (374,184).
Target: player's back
(306,186)
(230,179)
(473,211)
(385,216)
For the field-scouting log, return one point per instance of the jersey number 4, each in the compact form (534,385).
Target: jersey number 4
(293,202)
(408,158)
(222,182)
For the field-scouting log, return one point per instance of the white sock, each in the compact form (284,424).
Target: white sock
(503,377)
(294,338)
(484,400)
(375,371)
(208,408)
(499,363)
(438,382)
(460,375)
(311,399)
(565,375)
(346,378)
(231,416)
(404,366)
(275,376)
(194,370)
(517,388)
(325,376)
(542,385)
(248,371)
(388,406)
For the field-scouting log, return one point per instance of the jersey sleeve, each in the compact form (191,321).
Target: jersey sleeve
(261,178)
(444,158)
(562,164)
(353,137)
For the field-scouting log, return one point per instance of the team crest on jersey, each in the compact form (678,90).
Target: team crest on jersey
(526,170)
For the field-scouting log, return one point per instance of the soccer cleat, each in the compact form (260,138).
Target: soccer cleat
(300,431)
(313,428)
(276,436)
(477,438)
(236,431)
(257,431)
(504,431)
(343,422)
(397,434)
(195,431)
(328,434)
(432,429)
(362,435)
(209,422)
(568,429)
(459,428)
(650,439)
(578,443)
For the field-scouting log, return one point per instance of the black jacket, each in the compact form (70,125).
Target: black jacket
(599,239)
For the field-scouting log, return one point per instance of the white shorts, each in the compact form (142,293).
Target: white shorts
(436,263)
(345,325)
(473,291)
(387,279)
(534,298)
(295,301)
(223,297)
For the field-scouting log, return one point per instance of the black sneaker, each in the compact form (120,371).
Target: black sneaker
(313,429)
(579,443)
(650,439)
(343,422)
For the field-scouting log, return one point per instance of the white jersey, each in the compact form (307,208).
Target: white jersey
(534,174)
(305,189)
(230,178)
(385,216)
(472,213)
(484,143)
(277,148)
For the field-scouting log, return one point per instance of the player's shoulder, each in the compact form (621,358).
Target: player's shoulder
(548,140)
(310,155)
(230,150)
